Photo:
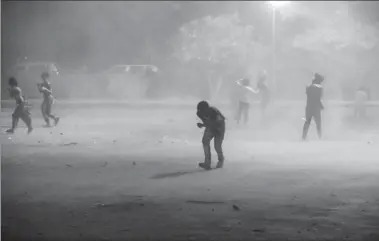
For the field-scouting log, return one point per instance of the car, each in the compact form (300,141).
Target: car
(128,81)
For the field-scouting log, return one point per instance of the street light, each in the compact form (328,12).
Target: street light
(275,5)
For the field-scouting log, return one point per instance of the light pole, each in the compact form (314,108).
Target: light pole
(275,5)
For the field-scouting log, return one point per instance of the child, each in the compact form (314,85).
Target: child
(264,91)
(48,100)
(314,105)
(21,111)
(361,98)
(214,123)
(243,99)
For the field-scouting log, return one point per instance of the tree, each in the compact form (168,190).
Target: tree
(341,47)
(222,43)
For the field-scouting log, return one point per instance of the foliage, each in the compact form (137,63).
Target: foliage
(331,27)
(215,39)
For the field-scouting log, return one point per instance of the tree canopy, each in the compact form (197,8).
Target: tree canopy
(228,33)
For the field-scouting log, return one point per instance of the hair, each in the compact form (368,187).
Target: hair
(202,105)
(12,81)
(262,74)
(261,79)
(245,81)
(318,79)
(45,75)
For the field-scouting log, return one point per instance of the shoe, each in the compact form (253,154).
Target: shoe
(205,166)
(46,126)
(220,164)
(10,131)
(56,120)
(30,130)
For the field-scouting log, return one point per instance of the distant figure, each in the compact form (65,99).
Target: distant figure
(214,123)
(48,100)
(244,100)
(361,98)
(264,92)
(314,105)
(21,111)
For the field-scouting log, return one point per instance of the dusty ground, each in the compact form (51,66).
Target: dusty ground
(133,176)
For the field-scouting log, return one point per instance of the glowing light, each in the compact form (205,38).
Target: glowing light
(278,4)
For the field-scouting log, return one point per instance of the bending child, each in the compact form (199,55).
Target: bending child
(214,123)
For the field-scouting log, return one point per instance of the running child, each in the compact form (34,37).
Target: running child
(21,111)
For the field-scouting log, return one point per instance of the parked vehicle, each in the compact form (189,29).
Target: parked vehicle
(128,81)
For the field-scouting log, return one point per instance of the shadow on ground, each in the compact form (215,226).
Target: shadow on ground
(176,174)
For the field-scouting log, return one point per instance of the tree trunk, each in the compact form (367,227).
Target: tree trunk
(210,85)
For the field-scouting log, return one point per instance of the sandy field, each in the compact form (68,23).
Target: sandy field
(129,174)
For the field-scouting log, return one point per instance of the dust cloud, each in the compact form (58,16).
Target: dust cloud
(138,51)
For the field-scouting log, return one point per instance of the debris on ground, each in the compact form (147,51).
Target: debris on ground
(98,205)
(204,202)
(70,144)
(236,208)
(259,230)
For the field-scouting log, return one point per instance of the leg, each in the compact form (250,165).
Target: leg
(264,104)
(363,111)
(356,111)
(218,139)
(207,138)
(246,113)
(26,118)
(49,105)
(308,119)
(14,124)
(44,115)
(317,117)
(239,112)
(15,118)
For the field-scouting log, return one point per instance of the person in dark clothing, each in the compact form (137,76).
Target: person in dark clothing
(314,105)
(214,123)
(21,111)
(48,100)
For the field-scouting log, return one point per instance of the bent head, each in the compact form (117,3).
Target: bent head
(45,76)
(12,82)
(262,75)
(245,81)
(202,105)
(318,79)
